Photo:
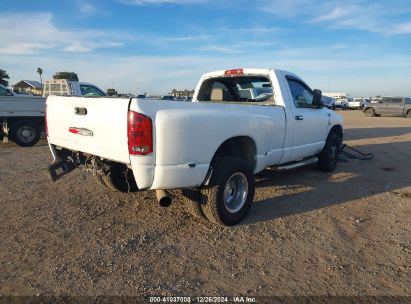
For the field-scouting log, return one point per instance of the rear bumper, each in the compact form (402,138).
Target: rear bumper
(60,166)
(179,176)
(147,175)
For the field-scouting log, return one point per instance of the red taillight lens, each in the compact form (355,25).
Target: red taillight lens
(234,72)
(46,129)
(140,134)
(73,130)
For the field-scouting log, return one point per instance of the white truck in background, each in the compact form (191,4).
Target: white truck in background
(22,116)
(239,123)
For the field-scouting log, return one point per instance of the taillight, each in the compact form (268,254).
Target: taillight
(234,72)
(45,121)
(140,134)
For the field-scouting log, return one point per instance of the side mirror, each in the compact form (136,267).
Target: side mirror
(317,96)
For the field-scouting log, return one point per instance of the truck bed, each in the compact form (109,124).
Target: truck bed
(19,106)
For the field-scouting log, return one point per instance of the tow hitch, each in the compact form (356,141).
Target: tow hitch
(58,168)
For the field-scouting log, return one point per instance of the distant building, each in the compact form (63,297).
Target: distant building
(336,95)
(183,93)
(28,86)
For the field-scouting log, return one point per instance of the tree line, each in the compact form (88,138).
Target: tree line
(4,76)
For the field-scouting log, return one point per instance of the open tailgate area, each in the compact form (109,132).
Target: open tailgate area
(96,126)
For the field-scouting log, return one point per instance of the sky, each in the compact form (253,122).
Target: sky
(360,47)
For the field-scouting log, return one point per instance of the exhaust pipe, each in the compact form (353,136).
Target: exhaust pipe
(163,198)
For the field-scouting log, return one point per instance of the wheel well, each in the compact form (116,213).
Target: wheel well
(36,121)
(242,147)
(337,129)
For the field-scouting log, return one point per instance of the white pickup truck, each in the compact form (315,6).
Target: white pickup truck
(22,116)
(239,123)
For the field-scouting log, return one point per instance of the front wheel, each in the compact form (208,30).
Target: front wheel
(228,198)
(328,158)
(370,112)
(25,133)
(409,114)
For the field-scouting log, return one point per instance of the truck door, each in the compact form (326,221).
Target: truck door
(381,107)
(310,123)
(394,106)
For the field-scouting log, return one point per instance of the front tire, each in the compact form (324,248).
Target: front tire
(370,112)
(409,114)
(228,198)
(328,158)
(25,133)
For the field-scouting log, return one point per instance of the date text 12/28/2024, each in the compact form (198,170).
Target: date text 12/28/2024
(239,299)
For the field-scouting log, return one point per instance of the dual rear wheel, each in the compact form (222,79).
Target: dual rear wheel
(229,196)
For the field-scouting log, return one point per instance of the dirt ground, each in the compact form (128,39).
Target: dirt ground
(308,233)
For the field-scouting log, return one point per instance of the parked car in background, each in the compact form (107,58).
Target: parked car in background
(358,103)
(64,87)
(342,103)
(398,106)
(329,102)
(22,115)
(167,97)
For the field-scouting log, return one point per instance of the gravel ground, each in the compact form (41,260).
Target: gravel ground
(309,233)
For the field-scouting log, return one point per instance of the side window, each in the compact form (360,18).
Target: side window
(408,100)
(301,94)
(88,90)
(396,100)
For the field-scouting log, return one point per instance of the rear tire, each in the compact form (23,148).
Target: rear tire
(119,178)
(191,201)
(370,112)
(328,158)
(228,198)
(100,180)
(25,133)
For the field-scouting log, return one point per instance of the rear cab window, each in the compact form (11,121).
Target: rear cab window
(242,89)
(89,90)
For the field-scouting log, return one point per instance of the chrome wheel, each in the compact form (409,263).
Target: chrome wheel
(235,192)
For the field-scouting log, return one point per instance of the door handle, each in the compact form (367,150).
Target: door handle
(299,117)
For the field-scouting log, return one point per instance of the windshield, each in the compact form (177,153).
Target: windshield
(237,89)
